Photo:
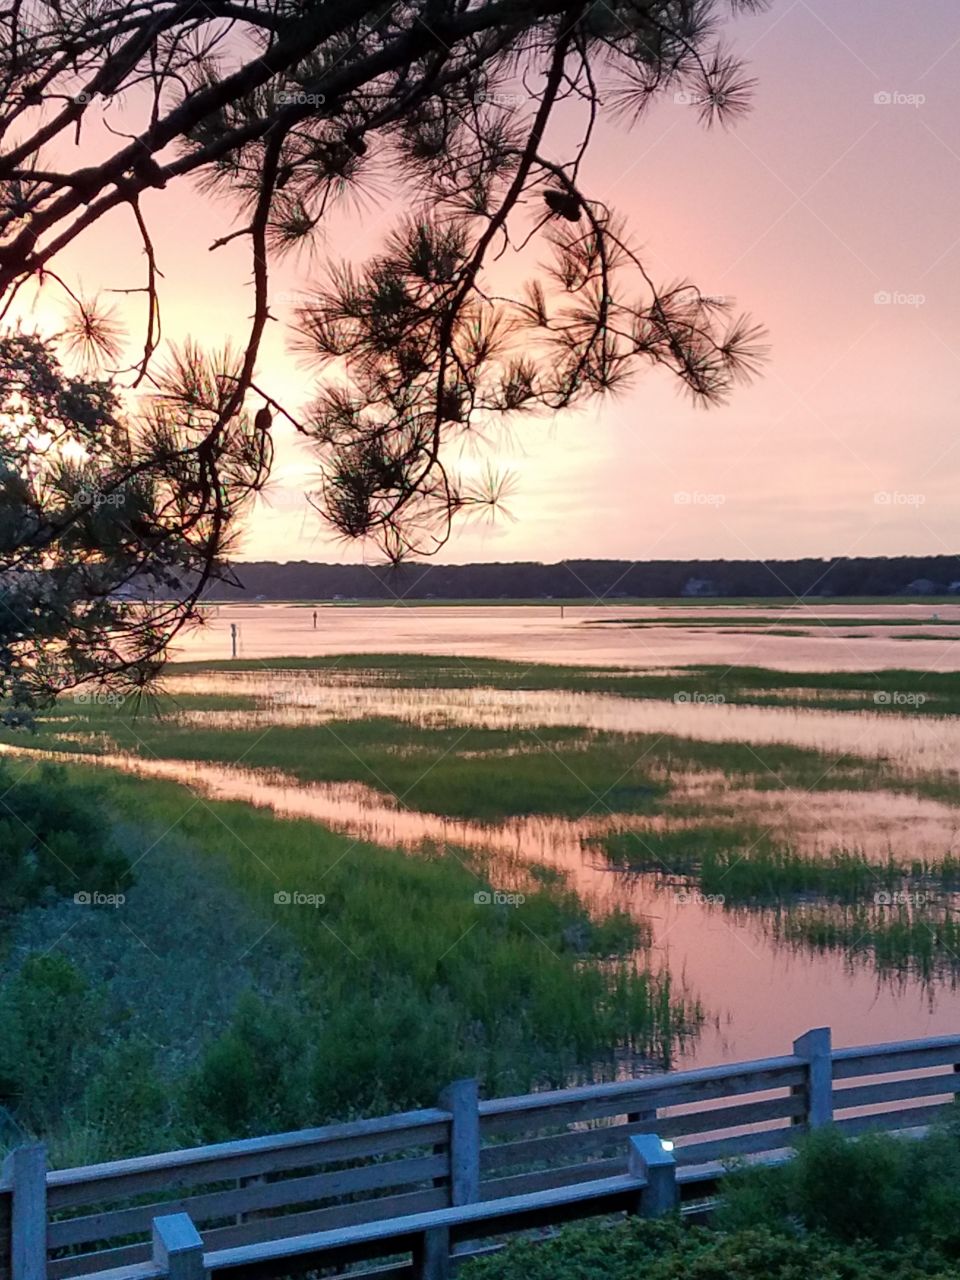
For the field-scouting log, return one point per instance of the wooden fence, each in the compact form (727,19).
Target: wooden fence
(456,1172)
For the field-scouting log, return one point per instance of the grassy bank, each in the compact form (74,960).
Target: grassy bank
(902,939)
(358,980)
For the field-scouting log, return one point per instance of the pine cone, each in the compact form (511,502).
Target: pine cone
(148,171)
(563,204)
(451,405)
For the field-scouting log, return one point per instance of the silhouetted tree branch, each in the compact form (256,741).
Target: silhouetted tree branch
(285,107)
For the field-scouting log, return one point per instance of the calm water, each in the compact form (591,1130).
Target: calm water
(588,635)
(758,994)
(930,743)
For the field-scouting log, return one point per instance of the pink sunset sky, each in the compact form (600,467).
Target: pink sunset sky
(840,189)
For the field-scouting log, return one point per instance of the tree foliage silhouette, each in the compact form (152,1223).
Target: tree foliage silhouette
(453,326)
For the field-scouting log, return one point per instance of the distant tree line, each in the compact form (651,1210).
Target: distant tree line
(584,579)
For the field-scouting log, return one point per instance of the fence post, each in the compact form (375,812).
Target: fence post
(431,1257)
(25,1172)
(651,1160)
(461,1100)
(815,1049)
(177,1247)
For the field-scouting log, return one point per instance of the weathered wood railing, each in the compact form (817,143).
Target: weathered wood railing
(552,1154)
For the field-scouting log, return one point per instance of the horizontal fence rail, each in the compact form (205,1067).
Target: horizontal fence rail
(482,1166)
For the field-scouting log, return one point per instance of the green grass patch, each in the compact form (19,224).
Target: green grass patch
(486,774)
(405,981)
(759,686)
(899,939)
(744,864)
(490,774)
(400,942)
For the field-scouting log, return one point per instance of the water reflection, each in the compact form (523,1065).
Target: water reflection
(761,977)
(916,743)
(541,633)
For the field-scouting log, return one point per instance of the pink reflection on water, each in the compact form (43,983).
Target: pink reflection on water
(538,633)
(758,996)
(914,742)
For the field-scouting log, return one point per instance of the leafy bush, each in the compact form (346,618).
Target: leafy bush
(54,838)
(277,1068)
(638,1250)
(876,1188)
(253,1078)
(50,1020)
(384,1052)
(126,1105)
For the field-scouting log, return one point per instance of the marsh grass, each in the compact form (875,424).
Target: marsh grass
(745,865)
(760,686)
(400,980)
(204,1008)
(905,941)
(411,981)
(488,774)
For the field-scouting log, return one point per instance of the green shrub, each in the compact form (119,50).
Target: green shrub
(126,1104)
(50,1021)
(638,1250)
(387,1052)
(874,1188)
(54,838)
(254,1078)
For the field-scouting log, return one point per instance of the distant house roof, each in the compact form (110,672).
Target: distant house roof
(699,587)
